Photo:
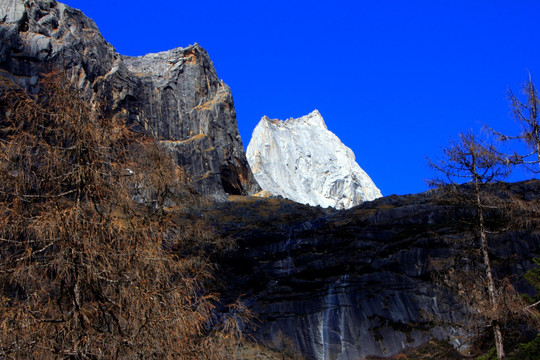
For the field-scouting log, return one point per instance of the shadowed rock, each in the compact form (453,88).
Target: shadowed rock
(174,95)
(355,283)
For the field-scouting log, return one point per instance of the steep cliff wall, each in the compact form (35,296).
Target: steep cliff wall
(356,283)
(175,95)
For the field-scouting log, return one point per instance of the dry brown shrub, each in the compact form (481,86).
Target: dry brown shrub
(92,265)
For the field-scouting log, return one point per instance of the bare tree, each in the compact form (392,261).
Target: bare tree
(93,264)
(476,163)
(526,114)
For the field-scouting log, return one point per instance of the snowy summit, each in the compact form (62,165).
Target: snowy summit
(301,160)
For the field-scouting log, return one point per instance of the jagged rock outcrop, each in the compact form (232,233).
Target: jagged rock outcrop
(301,160)
(175,95)
(356,283)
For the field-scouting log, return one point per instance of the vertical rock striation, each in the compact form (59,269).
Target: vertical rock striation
(361,283)
(174,95)
(301,160)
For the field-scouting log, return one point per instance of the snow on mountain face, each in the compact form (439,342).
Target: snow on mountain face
(301,160)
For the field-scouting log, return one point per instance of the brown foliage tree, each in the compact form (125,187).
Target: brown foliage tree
(478,163)
(92,263)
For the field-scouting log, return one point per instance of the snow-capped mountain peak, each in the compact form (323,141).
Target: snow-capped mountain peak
(300,159)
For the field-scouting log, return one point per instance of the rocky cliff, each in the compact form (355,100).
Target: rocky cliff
(301,160)
(175,95)
(357,283)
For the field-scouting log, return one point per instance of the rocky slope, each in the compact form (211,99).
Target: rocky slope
(301,160)
(356,283)
(175,95)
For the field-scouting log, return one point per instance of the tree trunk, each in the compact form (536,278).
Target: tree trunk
(534,118)
(538,146)
(490,283)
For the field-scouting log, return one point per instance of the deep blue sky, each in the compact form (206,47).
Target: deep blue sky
(394,80)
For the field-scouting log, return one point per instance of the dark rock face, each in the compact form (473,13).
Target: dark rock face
(175,95)
(357,283)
